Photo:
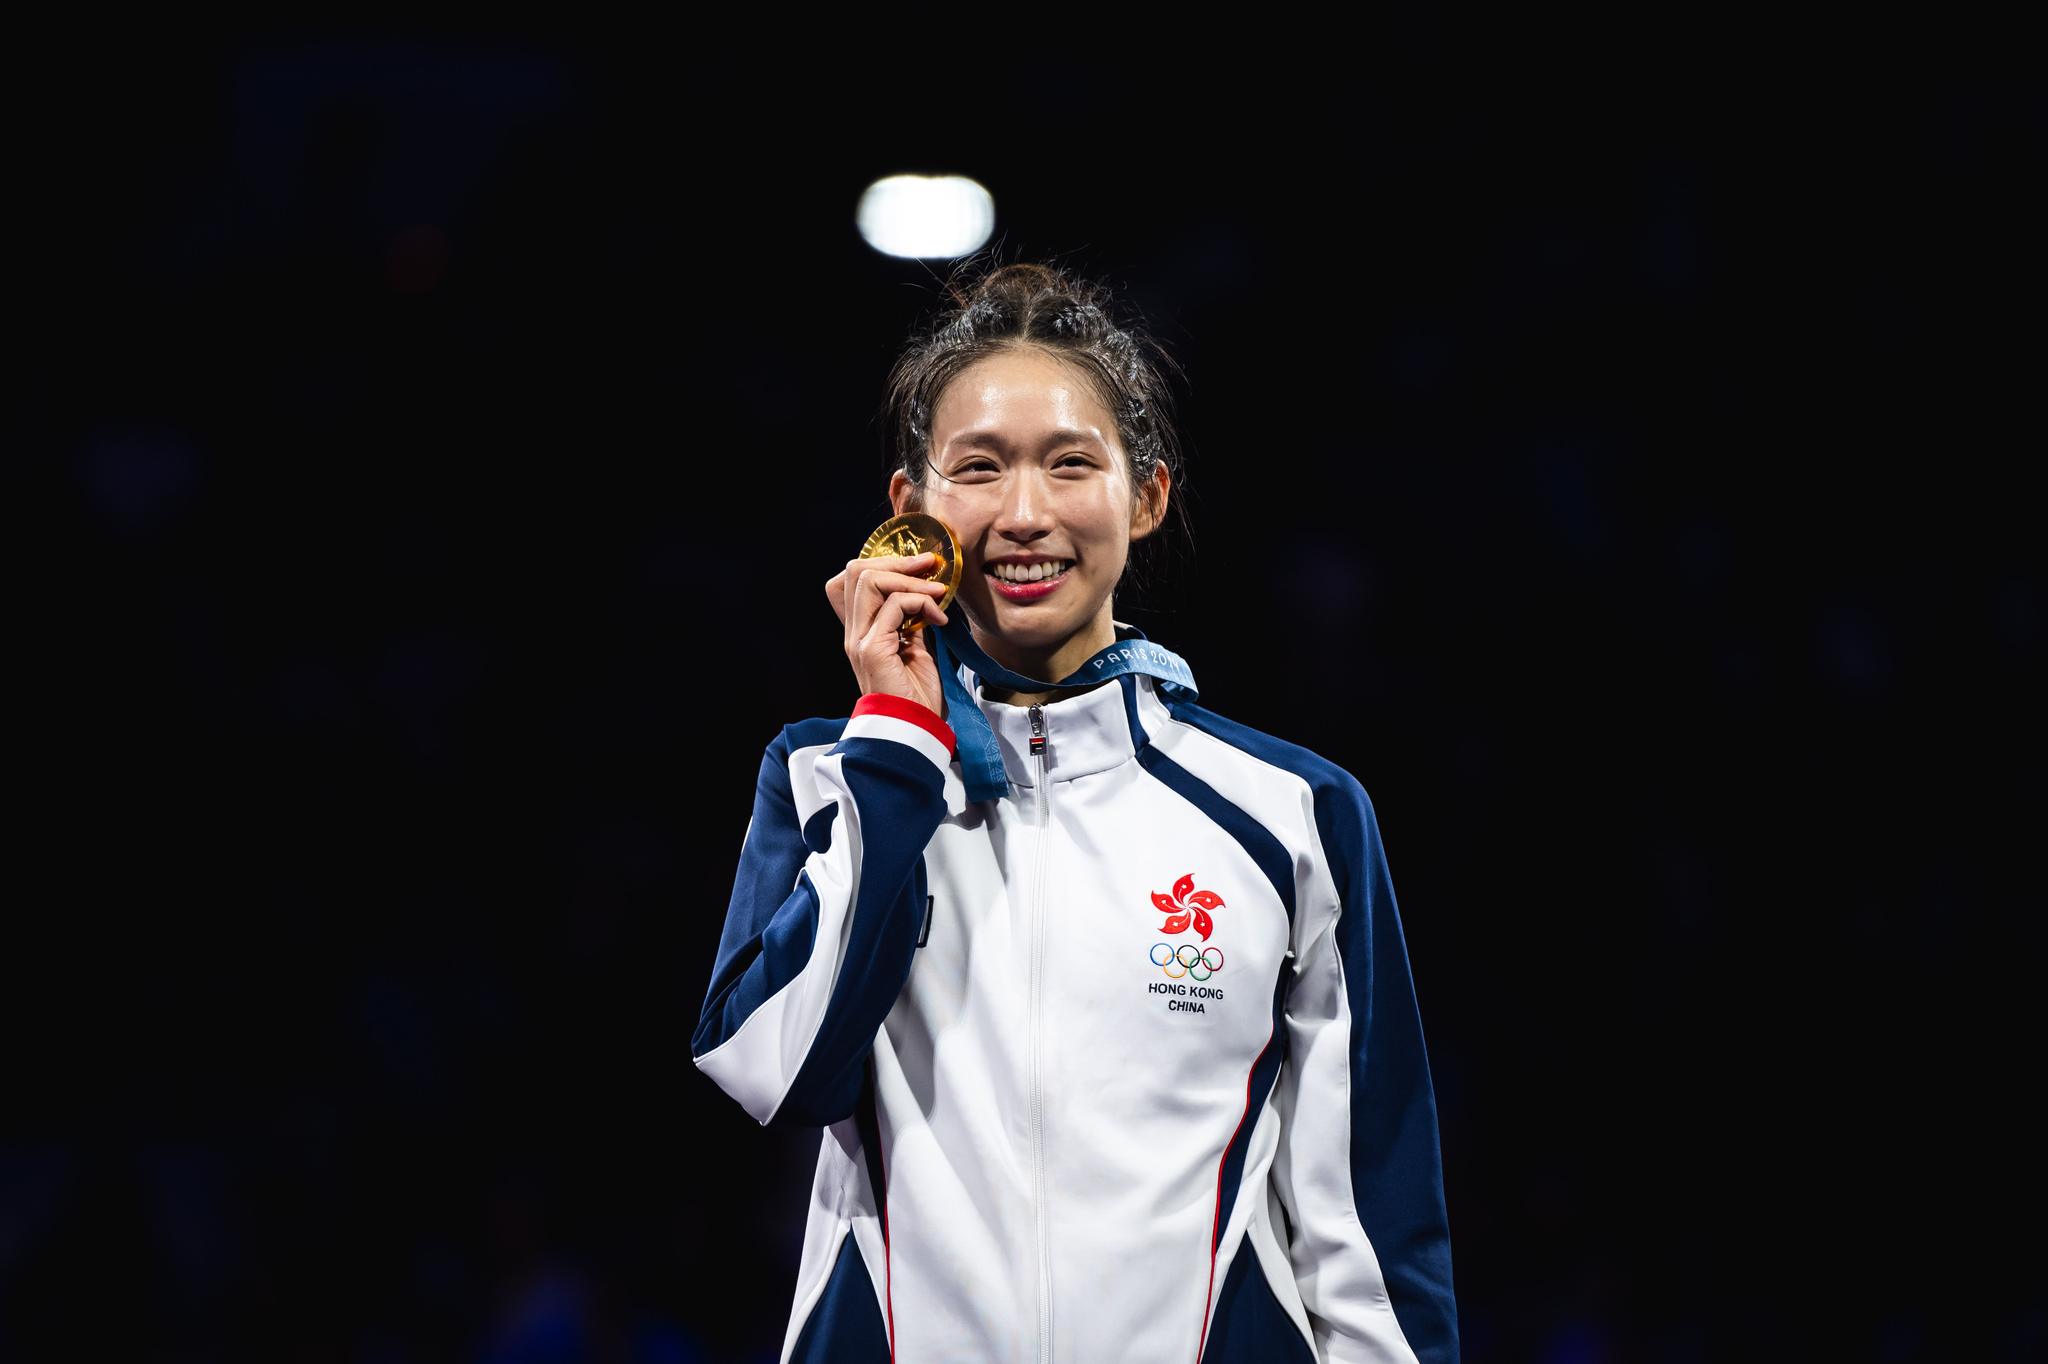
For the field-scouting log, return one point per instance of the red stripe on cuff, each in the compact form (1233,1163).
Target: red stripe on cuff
(916,712)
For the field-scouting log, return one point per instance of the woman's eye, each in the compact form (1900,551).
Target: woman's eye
(1071,460)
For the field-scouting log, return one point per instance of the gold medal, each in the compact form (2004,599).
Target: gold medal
(916,533)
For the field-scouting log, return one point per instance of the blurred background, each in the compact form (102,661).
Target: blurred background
(429,447)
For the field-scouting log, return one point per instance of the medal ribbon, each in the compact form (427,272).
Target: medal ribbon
(981,757)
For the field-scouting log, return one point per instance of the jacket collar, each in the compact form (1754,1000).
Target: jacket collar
(1089,732)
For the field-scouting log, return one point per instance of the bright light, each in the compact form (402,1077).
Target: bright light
(925,216)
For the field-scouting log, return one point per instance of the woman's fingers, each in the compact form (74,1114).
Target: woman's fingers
(843,585)
(871,586)
(874,598)
(890,563)
(895,610)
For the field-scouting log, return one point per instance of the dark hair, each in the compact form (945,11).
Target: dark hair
(1030,304)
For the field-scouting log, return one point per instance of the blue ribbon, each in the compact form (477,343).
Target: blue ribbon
(981,757)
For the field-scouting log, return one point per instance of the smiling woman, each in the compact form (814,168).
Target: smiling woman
(1103,999)
(1029,469)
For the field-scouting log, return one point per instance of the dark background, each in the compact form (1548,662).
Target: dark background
(429,449)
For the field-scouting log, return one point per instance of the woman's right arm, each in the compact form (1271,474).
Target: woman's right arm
(829,896)
(825,913)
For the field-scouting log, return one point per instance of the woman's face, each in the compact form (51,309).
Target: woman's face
(1027,466)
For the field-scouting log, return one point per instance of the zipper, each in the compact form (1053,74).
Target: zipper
(1037,1103)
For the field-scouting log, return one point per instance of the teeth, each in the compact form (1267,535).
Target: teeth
(1017,573)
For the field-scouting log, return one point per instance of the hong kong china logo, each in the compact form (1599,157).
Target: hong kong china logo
(1187,909)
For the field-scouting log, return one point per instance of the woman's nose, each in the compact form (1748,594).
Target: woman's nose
(1026,510)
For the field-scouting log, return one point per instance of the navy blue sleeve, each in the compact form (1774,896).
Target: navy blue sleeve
(1390,1140)
(822,925)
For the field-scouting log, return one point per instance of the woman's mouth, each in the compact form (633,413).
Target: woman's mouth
(1026,582)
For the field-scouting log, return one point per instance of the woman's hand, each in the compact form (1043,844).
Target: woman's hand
(874,597)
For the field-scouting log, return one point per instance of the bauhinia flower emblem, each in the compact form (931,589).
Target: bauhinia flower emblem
(1188,904)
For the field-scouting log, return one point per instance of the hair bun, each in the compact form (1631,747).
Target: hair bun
(1012,284)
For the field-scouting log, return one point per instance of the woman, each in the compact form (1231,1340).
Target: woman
(1109,1021)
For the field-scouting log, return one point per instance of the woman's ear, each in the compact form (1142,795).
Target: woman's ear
(903,493)
(1149,509)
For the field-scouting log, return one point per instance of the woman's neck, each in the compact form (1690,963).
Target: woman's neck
(1033,698)
(1051,666)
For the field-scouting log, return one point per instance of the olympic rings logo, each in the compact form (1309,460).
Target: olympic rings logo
(1196,963)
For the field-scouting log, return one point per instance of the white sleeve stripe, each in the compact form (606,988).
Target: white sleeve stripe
(898,731)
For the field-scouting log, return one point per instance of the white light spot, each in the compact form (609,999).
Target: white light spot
(925,216)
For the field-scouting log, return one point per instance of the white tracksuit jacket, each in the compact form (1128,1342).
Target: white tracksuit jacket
(1125,1065)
